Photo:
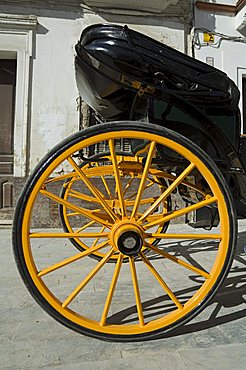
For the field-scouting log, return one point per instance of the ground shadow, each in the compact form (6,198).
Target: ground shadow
(230,295)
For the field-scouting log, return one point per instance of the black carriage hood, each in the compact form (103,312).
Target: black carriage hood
(138,55)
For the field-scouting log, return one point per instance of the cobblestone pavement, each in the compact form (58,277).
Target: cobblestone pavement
(31,339)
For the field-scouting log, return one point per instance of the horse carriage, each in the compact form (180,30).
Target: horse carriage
(151,191)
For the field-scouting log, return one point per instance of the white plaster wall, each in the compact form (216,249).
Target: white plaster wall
(53,95)
(54,92)
(167,31)
(240,21)
(227,2)
(230,56)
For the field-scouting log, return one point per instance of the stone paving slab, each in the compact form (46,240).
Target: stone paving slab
(31,339)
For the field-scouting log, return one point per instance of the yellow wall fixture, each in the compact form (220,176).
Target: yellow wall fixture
(208,37)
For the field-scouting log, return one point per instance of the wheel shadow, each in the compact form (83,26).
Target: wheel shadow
(230,296)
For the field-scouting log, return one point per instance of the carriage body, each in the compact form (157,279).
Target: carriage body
(152,193)
(125,75)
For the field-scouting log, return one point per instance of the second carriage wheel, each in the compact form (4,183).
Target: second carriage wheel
(151,293)
(130,176)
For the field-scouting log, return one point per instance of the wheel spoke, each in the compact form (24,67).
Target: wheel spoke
(130,203)
(105,184)
(85,227)
(117,177)
(99,236)
(168,191)
(99,171)
(69,235)
(73,207)
(168,176)
(84,282)
(136,291)
(128,185)
(184,236)
(198,271)
(161,281)
(181,212)
(143,178)
(61,178)
(135,193)
(73,214)
(111,290)
(81,196)
(154,181)
(69,260)
(92,188)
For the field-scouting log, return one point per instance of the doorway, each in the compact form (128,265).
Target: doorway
(7,114)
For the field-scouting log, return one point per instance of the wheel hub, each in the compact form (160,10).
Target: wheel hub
(127,237)
(130,243)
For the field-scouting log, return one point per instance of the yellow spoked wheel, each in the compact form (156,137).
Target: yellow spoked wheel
(114,219)
(131,170)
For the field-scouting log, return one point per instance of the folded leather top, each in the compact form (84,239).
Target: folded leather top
(140,56)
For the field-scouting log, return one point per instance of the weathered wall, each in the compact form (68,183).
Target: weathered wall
(54,92)
(228,55)
(52,113)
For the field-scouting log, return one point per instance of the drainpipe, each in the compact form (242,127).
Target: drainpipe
(193,26)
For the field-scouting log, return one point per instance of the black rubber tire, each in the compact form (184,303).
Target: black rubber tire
(50,157)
